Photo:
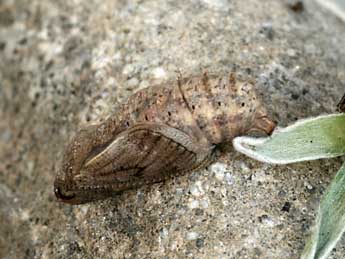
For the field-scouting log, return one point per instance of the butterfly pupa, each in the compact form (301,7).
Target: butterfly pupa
(159,132)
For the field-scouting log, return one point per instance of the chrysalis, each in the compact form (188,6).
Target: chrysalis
(160,131)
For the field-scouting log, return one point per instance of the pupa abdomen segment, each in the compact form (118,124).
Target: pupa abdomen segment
(160,131)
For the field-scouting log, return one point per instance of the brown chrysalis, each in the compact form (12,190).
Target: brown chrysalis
(160,131)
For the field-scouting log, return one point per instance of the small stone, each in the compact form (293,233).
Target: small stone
(159,73)
(291,52)
(163,233)
(193,204)
(25,215)
(265,219)
(267,30)
(308,185)
(219,170)
(229,179)
(204,204)
(244,167)
(199,242)
(143,84)
(218,5)
(133,82)
(192,236)
(196,189)
(128,70)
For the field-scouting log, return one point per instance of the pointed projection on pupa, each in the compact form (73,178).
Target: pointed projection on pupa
(160,131)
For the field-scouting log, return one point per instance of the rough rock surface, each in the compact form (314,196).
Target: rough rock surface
(64,64)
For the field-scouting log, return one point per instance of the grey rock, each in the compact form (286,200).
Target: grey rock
(64,64)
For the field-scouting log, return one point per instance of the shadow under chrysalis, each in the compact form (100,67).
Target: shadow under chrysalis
(159,132)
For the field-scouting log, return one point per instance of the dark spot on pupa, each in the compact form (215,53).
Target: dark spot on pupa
(219,103)
(169,113)
(193,107)
(127,123)
(243,104)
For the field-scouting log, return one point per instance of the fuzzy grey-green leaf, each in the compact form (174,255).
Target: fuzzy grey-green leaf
(330,223)
(309,139)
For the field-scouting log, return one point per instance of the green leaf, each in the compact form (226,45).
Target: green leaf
(330,221)
(314,138)
(309,139)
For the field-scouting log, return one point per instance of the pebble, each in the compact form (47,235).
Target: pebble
(219,170)
(159,73)
(192,235)
(196,189)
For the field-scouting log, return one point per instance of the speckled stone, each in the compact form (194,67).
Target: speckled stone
(64,64)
